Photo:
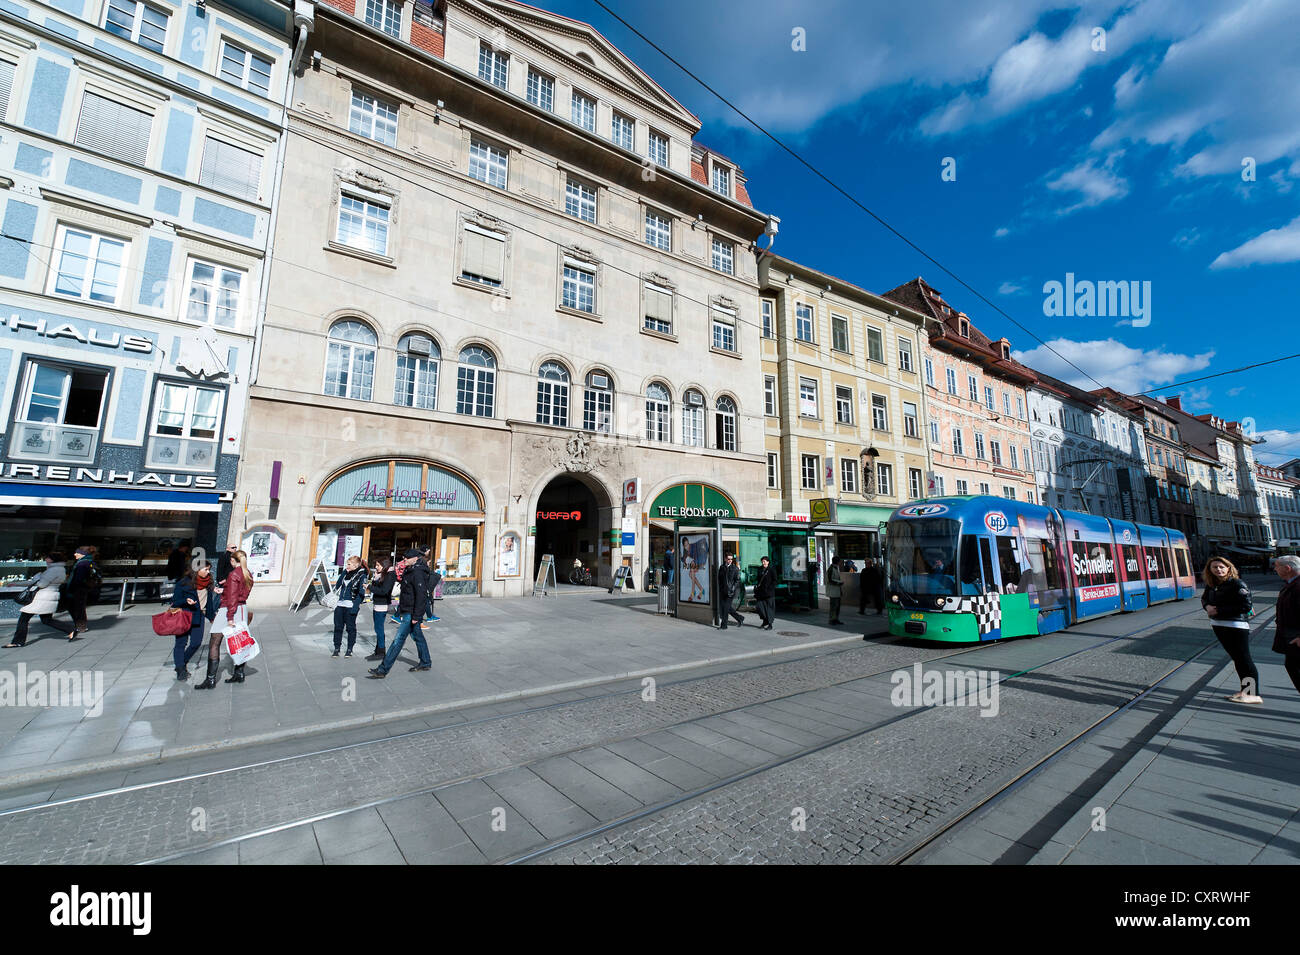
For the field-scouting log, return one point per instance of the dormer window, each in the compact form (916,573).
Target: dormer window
(722,180)
(1006,350)
(965,327)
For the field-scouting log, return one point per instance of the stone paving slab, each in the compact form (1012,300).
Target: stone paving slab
(483,657)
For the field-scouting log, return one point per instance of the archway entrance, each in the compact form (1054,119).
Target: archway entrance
(571,524)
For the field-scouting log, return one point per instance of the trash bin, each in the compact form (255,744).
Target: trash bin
(665,593)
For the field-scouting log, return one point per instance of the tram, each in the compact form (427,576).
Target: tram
(966,569)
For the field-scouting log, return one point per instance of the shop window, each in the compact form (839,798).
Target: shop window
(350,360)
(726,424)
(416,385)
(693,419)
(553,394)
(598,404)
(185,428)
(658,402)
(59,412)
(476,381)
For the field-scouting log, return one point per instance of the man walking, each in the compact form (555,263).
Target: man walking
(729,591)
(410,607)
(84,578)
(765,593)
(834,590)
(871,583)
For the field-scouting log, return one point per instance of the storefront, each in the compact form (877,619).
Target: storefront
(690,503)
(851,532)
(380,509)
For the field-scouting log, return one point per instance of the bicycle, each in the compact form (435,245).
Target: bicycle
(580,576)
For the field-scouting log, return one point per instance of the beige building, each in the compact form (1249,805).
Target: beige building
(507,284)
(843,403)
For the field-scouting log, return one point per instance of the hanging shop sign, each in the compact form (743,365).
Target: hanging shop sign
(400,485)
(690,501)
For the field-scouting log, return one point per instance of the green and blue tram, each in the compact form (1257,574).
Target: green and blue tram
(965,569)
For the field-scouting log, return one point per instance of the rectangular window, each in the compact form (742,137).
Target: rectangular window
(962,488)
(1006,404)
(482,256)
(658,309)
(488,163)
(769,322)
(59,413)
(363,224)
(658,231)
(373,118)
(88,265)
(958,445)
(988,397)
(773,469)
(723,256)
(213,294)
(137,22)
(929,373)
(1020,408)
(885,479)
(808,470)
(184,432)
(879,413)
(934,433)
(938,484)
(973,387)
(579,287)
(721,180)
(849,475)
(245,69)
(839,332)
(913,483)
(979,446)
(658,149)
(905,354)
(1009,493)
(1015,462)
(724,329)
(584,112)
(493,66)
(7,69)
(416,383)
(231,169)
(911,428)
(995,449)
(114,129)
(808,398)
(843,404)
(541,91)
(803,323)
(875,344)
(621,130)
(598,405)
(580,201)
(984,487)
(952,381)
(769,395)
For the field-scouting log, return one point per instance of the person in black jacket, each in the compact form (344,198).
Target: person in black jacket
(178,562)
(1287,638)
(765,593)
(81,581)
(729,591)
(351,590)
(410,605)
(195,593)
(382,580)
(1226,600)
(871,584)
(224,564)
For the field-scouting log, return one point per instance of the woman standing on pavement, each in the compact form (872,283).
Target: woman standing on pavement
(46,601)
(351,591)
(1226,600)
(1287,638)
(195,594)
(234,595)
(81,581)
(382,580)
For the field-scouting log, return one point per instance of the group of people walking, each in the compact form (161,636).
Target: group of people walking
(402,593)
(1228,604)
(56,588)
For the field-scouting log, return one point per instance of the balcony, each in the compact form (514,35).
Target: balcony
(43,441)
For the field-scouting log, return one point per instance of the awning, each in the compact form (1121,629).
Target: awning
(110,498)
(846,528)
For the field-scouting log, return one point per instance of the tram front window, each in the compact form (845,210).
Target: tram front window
(922,557)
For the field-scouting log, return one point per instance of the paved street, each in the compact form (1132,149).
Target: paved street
(801,756)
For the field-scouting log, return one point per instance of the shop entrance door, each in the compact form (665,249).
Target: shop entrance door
(392,541)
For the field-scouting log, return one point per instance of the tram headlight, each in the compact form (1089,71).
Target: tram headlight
(894,598)
(939,602)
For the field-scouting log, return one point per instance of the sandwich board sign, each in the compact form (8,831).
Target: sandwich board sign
(545,575)
(315,583)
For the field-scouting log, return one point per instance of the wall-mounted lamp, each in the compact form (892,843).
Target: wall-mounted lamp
(699,220)
(437,111)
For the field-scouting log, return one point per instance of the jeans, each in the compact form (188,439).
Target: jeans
(345,617)
(409,624)
(20,635)
(182,651)
(379,616)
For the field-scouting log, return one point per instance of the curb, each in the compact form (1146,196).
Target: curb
(67,771)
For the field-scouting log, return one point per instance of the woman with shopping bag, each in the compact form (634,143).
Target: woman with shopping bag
(234,595)
(194,593)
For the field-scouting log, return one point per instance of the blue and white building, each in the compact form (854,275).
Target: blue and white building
(140,148)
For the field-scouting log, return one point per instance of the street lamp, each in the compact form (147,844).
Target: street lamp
(867,458)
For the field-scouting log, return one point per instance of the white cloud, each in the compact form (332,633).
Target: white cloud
(1093,184)
(1196,399)
(1011,288)
(1279,446)
(1186,238)
(1112,363)
(1001,232)
(1233,392)
(1267,248)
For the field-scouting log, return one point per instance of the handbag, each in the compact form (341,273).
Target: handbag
(175,622)
(27,595)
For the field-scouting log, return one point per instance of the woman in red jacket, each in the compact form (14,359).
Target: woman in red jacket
(234,595)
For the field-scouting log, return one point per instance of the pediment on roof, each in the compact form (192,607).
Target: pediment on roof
(587,49)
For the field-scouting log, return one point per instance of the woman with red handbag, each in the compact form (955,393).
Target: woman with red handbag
(196,598)
(234,594)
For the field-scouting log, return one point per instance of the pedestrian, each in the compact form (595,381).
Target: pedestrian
(382,581)
(729,591)
(435,579)
(196,594)
(765,592)
(178,561)
(224,563)
(84,578)
(670,565)
(1227,603)
(1287,639)
(351,591)
(234,595)
(411,603)
(834,589)
(46,601)
(870,584)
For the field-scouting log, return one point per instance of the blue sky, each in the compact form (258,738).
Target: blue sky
(1122,163)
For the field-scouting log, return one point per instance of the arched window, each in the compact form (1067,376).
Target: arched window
(417,372)
(350,360)
(553,394)
(476,382)
(658,408)
(726,424)
(693,419)
(598,403)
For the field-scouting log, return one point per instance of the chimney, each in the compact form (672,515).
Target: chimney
(1175,402)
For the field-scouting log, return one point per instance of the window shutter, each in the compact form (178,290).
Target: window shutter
(6,85)
(114,129)
(483,254)
(229,169)
(658,305)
